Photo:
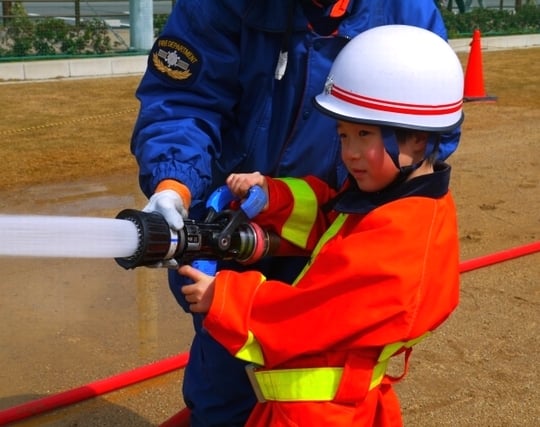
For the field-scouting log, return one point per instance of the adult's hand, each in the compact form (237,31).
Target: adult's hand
(169,204)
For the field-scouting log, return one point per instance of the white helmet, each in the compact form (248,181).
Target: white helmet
(398,76)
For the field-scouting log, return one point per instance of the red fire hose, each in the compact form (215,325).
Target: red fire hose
(181,419)
(94,389)
(501,256)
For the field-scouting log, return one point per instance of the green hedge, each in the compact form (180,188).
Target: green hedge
(22,36)
(490,21)
(526,20)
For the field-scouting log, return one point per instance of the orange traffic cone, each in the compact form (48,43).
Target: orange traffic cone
(474,77)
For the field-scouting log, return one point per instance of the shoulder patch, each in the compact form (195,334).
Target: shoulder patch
(174,60)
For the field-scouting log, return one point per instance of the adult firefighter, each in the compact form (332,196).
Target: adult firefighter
(384,269)
(229,88)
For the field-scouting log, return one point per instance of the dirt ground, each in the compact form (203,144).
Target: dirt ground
(65,323)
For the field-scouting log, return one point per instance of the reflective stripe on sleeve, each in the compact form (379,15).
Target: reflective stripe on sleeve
(251,351)
(299,224)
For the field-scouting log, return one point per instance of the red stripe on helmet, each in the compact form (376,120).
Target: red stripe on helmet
(394,107)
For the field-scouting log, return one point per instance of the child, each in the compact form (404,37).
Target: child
(384,266)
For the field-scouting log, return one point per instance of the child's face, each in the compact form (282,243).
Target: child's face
(364,155)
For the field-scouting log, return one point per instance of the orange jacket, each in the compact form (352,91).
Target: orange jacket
(389,273)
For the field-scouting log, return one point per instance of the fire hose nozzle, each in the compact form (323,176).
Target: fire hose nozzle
(157,241)
(159,245)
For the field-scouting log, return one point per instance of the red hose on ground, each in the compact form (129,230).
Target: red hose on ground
(181,419)
(94,389)
(496,257)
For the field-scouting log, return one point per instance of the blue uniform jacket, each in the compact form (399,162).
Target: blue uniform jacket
(210,105)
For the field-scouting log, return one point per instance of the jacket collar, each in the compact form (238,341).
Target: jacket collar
(272,16)
(354,200)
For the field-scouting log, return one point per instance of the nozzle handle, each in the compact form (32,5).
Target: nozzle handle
(207,266)
(255,201)
(251,206)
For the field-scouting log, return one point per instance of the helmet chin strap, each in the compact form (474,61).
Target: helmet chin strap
(392,148)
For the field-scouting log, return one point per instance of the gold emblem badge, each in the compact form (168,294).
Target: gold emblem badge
(174,59)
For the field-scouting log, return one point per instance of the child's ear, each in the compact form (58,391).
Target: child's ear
(419,141)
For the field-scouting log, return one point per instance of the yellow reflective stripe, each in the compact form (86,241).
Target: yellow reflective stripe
(328,234)
(306,384)
(251,351)
(300,222)
(389,350)
(317,384)
(379,370)
(309,384)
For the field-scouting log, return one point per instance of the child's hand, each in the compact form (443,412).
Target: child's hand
(240,183)
(201,293)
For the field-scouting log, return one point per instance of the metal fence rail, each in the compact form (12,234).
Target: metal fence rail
(115,13)
(128,23)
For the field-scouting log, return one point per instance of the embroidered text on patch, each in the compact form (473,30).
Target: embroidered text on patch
(173,59)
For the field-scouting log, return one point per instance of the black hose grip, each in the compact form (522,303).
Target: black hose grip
(154,238)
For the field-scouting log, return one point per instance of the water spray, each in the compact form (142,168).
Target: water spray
(66,237)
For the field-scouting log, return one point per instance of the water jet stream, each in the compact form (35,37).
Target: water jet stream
(62,236)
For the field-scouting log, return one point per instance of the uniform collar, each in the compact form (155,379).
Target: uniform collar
(272,16)
(354,200)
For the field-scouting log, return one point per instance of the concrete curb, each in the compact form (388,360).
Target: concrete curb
(136,65)
(72,68)
(498,43)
